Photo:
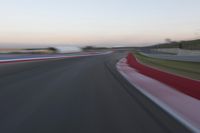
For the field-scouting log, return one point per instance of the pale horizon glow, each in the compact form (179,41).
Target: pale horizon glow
(97,22)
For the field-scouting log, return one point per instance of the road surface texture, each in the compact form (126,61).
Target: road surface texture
(79,95)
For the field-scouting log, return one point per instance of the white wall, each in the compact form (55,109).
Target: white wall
(68,49)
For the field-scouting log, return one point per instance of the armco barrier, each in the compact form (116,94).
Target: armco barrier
(185,85)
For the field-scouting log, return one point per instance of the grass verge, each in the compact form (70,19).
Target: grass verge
(187,69)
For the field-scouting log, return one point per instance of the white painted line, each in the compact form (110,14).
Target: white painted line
(181,106)
(56,57)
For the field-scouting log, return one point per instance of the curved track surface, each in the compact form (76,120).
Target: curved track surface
(79,95)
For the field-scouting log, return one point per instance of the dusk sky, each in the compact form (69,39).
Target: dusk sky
(96,22)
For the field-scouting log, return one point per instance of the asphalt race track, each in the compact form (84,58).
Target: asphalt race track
(76,95)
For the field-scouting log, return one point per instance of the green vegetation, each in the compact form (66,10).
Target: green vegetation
(92,48)
(188,69)
(50,50)
(190,45)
